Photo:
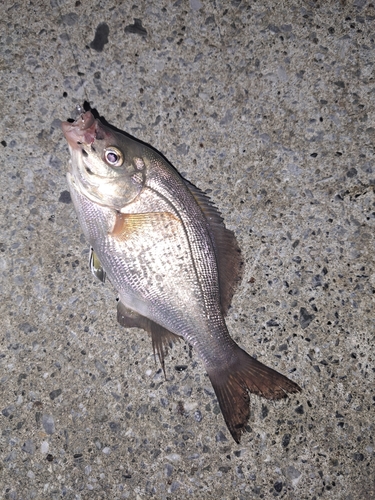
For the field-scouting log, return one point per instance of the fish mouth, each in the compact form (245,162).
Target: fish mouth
(82,131)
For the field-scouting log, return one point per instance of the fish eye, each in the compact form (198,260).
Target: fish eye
(113,157)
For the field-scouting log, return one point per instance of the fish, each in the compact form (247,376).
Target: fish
(164,247)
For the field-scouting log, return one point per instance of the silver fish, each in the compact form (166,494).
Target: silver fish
(164,247)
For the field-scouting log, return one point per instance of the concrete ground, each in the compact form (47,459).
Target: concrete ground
(269,107)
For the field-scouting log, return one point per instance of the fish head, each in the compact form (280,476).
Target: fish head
(106,166)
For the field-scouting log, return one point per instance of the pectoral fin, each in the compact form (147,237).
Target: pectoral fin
(143,225)
(160,336)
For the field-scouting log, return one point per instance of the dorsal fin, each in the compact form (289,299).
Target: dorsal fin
(160,336)
(227,251)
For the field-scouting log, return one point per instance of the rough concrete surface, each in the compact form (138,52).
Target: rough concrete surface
(269,107)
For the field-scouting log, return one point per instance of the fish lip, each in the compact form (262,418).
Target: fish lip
(81,132)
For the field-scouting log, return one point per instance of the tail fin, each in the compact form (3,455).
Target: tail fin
(232,385)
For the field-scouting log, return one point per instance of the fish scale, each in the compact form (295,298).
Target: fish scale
(166,251)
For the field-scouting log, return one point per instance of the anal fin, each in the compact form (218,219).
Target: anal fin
(246,374)
(160,336)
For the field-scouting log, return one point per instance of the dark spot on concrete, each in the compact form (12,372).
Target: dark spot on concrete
(136,28)
(272,322)
(65,197)
(286,440)
(101,37)
(351,173)
(300,410)
(278,486)
(180,368)
(265,411)
(340,84)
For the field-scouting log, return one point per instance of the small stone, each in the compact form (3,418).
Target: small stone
(220,437)
(292,473)
(99,365)
(173,457)
(168,469)
(265,411)
(340,84)
(55,394)
(278,486)
(29,447)
(286,440)
(305,318)
(26,328)
(44,447)
(225,469)
(195,4)
(114,426)
(198,415)
(272,322)
(174,486)
(316,281)
(48,424)
(7,412)
(70,19)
